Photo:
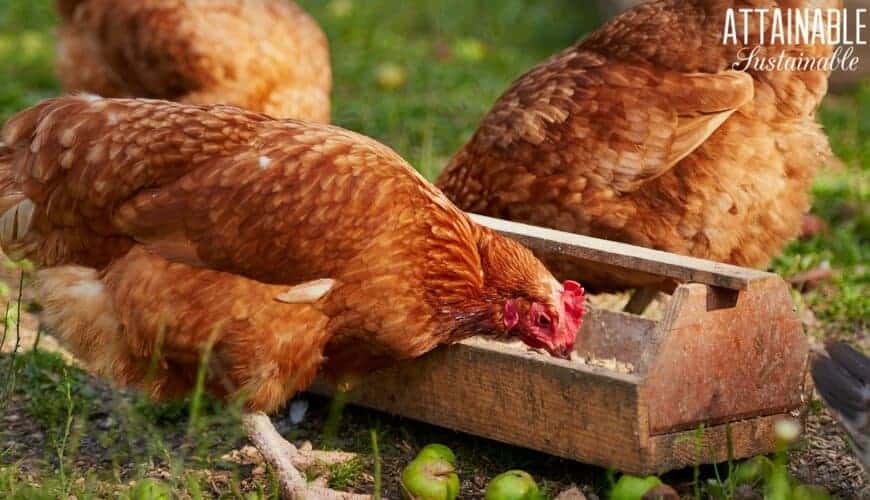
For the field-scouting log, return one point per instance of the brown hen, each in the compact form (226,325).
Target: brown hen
(283,247)
(263,55)
(644,134)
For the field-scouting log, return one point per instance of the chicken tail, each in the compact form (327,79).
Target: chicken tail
(78,309)
(16,211)
(843,380)
(24,133)
(37,155)
(10,193)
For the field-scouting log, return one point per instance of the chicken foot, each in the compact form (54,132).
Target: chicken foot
(287,460)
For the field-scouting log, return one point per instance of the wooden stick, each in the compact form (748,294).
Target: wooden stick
(621,255)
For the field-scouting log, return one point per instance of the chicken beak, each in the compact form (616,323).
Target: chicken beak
(563,352)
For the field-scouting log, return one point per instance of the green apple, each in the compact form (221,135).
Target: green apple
(633,487)
(469,49)
(804,492)
(513,485)
(438,451)
(428,478)
(390,76)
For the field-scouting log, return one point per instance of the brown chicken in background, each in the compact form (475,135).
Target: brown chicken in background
(264,55)
(282,248)
(643,133)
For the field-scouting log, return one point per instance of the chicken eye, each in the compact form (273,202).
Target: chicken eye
(544,321)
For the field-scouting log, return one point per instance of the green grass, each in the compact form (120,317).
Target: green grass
(131,436)
(457,56)
(27,54)
(343,476)
(842,199)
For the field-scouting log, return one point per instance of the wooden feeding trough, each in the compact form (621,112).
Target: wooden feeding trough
(727,354)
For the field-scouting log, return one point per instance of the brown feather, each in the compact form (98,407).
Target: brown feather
(642,133)
(214,194)
(146,314)
(263,55)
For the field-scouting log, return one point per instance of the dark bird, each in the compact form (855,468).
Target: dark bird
(842,378)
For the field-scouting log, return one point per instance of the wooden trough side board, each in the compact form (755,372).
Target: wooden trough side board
(493,391)
(728,353)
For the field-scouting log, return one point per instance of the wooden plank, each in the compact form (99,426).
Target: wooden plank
(509,395)
(616,335)
(623,256)
(716,364)
(742,368)
(749,438)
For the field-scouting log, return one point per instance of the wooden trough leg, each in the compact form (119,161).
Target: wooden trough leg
(641,299)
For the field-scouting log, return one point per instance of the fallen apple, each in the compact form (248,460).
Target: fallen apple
(804,492)
(438,451)
(633,487)
(390,76)
(513,485)
(430,478)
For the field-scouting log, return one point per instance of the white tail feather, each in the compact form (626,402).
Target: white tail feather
(15,222)
(78,309)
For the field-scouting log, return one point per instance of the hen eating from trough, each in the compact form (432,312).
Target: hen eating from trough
(263,55)
(281,248)
(651,131)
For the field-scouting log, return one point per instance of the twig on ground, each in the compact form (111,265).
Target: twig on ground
(812,278)
(376,456)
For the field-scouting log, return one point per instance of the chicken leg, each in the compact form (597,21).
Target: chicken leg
(287,460)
